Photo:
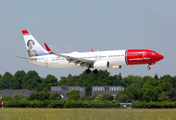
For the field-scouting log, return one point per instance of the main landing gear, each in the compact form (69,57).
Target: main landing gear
(148,67)
(94,71)
(88,70)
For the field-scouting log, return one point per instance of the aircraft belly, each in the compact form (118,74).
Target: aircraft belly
(63,65)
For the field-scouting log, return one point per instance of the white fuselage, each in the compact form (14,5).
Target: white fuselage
(115,57)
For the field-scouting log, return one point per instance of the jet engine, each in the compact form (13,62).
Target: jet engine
(101,65)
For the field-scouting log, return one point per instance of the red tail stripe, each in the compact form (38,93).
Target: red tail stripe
(25,32)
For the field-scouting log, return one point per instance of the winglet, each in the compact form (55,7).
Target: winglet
(25,32)
(47,48)
(92,50)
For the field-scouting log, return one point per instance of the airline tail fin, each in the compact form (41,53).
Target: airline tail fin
(33,47)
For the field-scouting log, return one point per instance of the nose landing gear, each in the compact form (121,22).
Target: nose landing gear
(148,67)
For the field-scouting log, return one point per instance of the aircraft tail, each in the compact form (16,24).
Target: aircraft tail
(33,47)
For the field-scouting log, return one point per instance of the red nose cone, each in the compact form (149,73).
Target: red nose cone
(160,57)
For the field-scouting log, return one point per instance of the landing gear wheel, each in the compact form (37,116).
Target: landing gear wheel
(95,71)
(148,67)
(88,70)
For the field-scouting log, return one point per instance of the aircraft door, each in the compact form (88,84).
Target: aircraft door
(46,61)
(144,55)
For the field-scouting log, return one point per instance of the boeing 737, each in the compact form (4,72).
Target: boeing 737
(113,59)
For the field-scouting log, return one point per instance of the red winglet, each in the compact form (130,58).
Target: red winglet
(25,32)
(92,50)
(47,48)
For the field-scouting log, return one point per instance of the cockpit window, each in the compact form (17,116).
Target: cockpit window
(153,53)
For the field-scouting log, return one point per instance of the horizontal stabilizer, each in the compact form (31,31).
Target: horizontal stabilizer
(29,58)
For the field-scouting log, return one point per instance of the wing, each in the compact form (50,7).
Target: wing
(82,62)
(71,59)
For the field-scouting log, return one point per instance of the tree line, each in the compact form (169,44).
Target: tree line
(137,88)
(144,91)
(30,80)
(44,99)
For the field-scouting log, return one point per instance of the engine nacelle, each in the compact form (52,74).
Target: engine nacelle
(101,65)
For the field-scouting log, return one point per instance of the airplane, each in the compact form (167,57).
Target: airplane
(113,59)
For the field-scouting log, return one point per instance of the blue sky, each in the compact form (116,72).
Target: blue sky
(67,26)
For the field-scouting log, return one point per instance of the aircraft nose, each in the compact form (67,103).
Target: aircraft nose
(160,56)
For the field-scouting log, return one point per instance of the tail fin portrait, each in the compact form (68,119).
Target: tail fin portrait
(33,47)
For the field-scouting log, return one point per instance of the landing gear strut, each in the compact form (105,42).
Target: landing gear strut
(148,67)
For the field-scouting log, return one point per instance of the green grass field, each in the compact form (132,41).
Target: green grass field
(86,114)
